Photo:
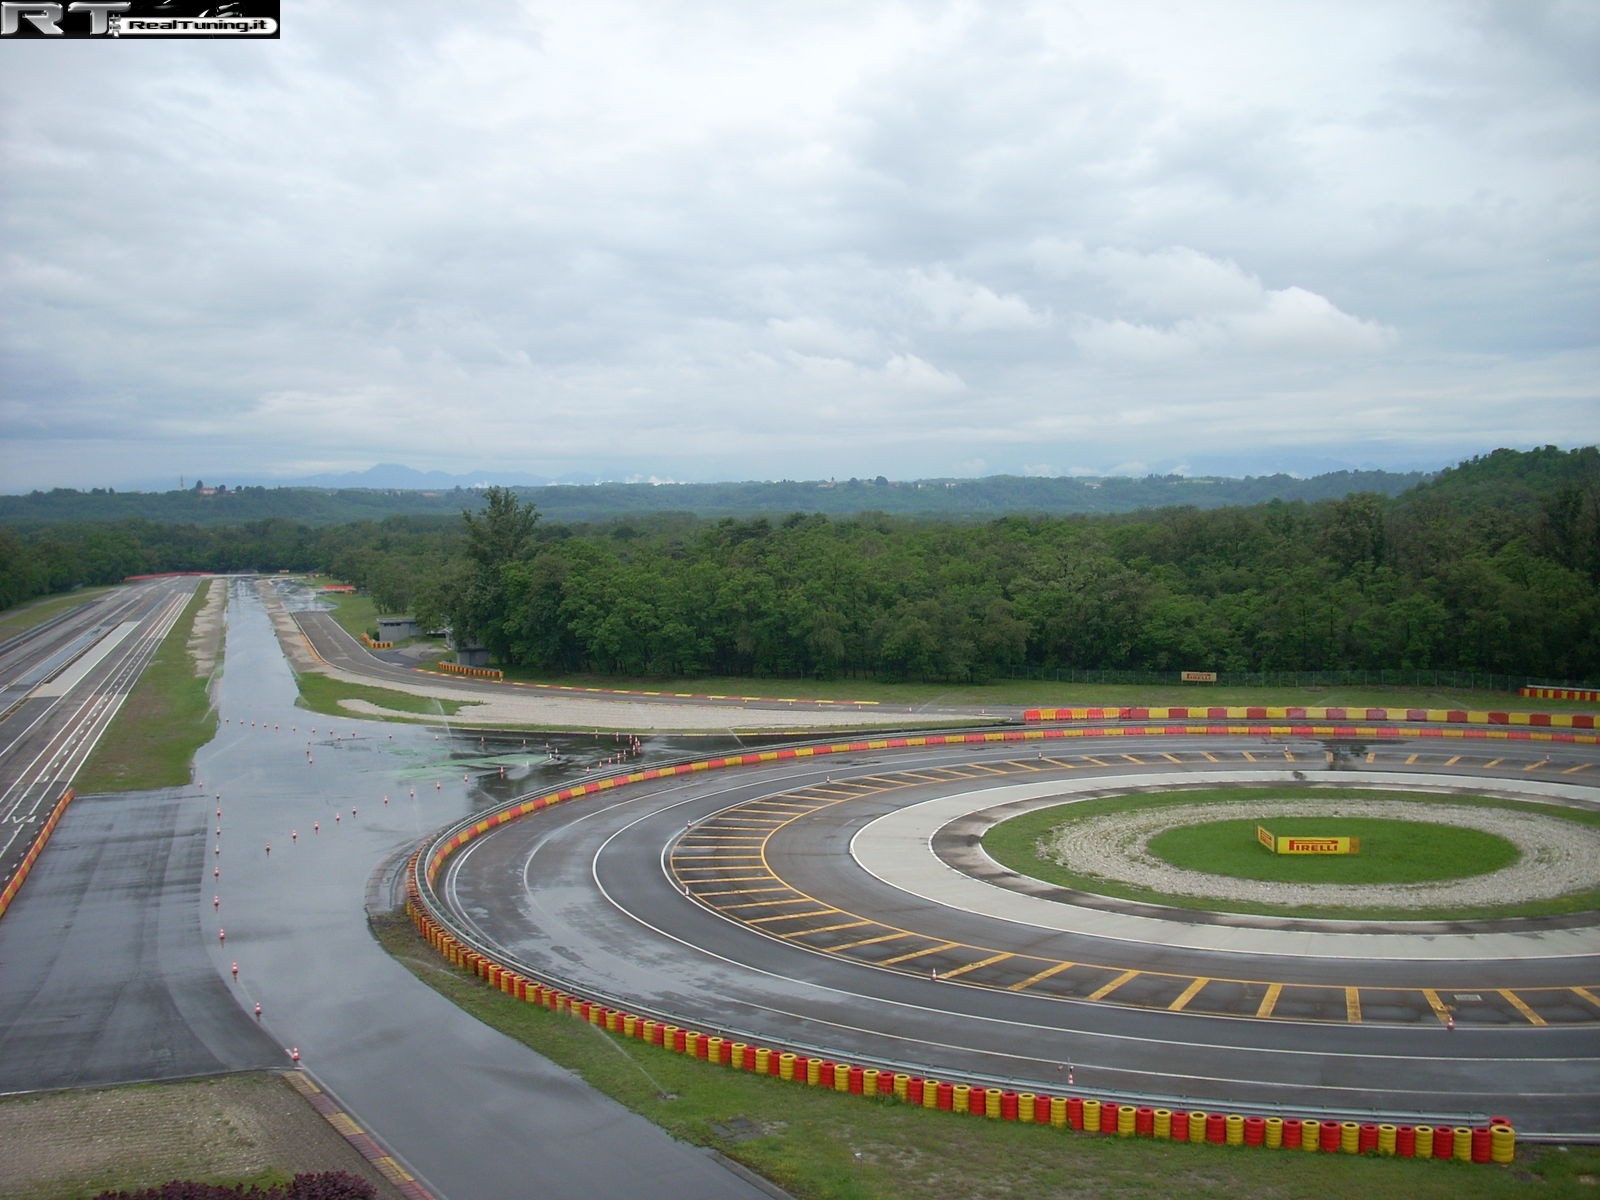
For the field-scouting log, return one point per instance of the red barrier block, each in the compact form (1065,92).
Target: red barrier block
(1216,1128)
(1329,1136)
(1075,1112)
(1367,1140)
(853,1080)
(914,1086)
(1180,1125)
(946,1096)
(1144,1121)
(1292,1131)
(1405,1141)
(1008,1106)
(1255,1130)
(1108,1116)
(1041,1110)
(1444,1141)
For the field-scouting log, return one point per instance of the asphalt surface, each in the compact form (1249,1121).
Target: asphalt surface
(592,894)
(116,959)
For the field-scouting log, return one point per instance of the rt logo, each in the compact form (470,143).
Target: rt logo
(46,18)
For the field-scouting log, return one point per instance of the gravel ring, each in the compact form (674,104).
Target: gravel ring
(1558,857)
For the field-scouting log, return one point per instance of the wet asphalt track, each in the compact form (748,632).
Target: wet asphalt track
(115,965)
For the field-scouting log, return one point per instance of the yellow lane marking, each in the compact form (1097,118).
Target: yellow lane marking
(1136,761)
(1588,995)
(1248,757)
(993,958)
(1173,758)
(871,941)
(1452,760)
(1536,766)
(1372,757)
(1270,1000)
(767,878)
(889,962)
(1517,1003)
(1103,992)
(1352,1005)
(1411,760)
(1440,1008)
(745,891)
(1493,762)
(723,857)
(799,933)
(1289,754)
(743,904)
(1576,769)
(1209,757)
(1053,969)
(1097,762)
(816,912)
(1189,994)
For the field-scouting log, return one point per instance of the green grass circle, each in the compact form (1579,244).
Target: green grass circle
(1392,851)
(1014,843)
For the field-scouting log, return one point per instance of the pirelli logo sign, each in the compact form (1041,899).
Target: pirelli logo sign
(1307,845)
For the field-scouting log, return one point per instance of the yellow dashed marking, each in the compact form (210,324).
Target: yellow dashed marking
(1189,993)
(729,908)
(1053,969)
(1248,757)
(1493,762)
(1352,1005)
(889,962)
(1173,758)
(871,941)
(1440,1008)
(1208,756)
(745,891)
(1103,992)
(816,912)
(826,929)
(1411,760)
(1540,765)
(1517,1003)
(1452,760)
(1588,995)
(993,958)
(1270,1000)
(1576,769)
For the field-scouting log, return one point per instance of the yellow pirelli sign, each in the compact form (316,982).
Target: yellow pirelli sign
(1307,845)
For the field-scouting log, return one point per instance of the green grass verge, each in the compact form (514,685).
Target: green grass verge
(1391,852)
(166,718)
(354,612)
(1014,844)
(807,1140)
(31,615)
(1029,693)
(324,694)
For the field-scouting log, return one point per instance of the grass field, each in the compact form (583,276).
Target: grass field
(1014,844)
(324,694)
(165,719)
(824,1146)
(1390,851)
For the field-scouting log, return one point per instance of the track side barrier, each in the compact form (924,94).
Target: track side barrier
(25,867)
(1422,716)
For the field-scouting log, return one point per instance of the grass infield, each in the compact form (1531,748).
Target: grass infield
(1390,852)
(1015,844)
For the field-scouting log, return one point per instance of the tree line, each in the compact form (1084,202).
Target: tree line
(1492,567)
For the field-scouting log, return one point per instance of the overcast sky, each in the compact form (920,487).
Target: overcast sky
(702,241)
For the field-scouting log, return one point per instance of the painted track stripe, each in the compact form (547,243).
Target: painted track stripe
(1269,1001)
(926,950)
(1521,1006)
(1188,994)
(1053,969)
(1352,1005)
(973,966)
(1102,992)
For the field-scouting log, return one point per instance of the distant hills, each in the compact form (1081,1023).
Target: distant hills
(392,490)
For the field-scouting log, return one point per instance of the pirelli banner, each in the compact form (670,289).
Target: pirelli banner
(1307,845)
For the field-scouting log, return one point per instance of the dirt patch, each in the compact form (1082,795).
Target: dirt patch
(233,1127)
(205,638)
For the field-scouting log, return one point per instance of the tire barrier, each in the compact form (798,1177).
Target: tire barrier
(372,644)
(450,668)
(1494,1142)
(25,867)
(1589,695)
(1427,716)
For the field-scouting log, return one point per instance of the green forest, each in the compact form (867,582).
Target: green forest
(1490,567)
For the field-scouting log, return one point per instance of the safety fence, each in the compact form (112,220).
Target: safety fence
(1493,1141)
(1442,716)
(372,644)
(26,866)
